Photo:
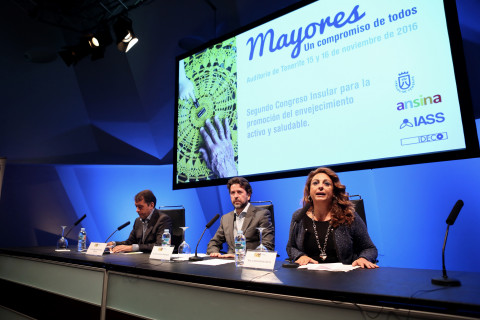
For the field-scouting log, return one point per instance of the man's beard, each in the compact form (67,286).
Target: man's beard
(240,206)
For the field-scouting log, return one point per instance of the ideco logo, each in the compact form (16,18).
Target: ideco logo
(422,120)
(433,137)
(404,82)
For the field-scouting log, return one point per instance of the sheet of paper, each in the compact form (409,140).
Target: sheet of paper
(214,262)
(185,257)
(335,267)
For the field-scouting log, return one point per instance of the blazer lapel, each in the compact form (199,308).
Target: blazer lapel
(150,225)
(248,218)
(228,231)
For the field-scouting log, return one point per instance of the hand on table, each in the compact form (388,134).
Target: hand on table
(122,248)
(219,255)
(364,263)
(303,260)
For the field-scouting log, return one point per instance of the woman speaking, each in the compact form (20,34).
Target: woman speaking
(327,228)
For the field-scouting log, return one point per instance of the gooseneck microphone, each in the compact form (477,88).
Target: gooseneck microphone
(290,263)
(75,224)
(118,229)
(196,257)
(454,213)
(444,280)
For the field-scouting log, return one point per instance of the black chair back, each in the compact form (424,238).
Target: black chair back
(359,207)
(266,205)
(177,214)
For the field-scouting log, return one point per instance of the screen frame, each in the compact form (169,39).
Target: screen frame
(472,149)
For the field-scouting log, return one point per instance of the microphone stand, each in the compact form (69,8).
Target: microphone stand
(209,224)
(111,235)
(444,280)
(290,263)
(196,257)
(75,224)
(118,229)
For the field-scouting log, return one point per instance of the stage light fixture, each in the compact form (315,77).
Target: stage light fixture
(93,42)
(73,54)
(124,34)
(99,41)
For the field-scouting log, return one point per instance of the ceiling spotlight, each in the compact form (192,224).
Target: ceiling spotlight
(126,38)
(93,42)
(98,42)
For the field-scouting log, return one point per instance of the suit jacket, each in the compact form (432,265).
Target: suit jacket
(254,218)
(153,234)
(351,242)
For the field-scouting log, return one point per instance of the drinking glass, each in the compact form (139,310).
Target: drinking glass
(183,248)
(261,247)
(62,243)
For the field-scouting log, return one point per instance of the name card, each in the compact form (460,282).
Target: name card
(260,259)
(162,253)
(96,248)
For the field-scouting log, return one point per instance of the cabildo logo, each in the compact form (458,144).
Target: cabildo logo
(404,82)
(297,37)
(420,101)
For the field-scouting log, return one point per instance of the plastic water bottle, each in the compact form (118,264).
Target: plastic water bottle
(166,238)
(82,240)
(240,245)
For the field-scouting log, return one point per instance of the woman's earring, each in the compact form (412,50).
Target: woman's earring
(309,199)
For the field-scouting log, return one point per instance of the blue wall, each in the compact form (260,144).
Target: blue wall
(118,112)
(406,206)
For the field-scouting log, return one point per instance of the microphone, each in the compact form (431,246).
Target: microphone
(454,213)
(196,257)
(75,224)
(290,263)
(118,229)
(444,280)
(123,226)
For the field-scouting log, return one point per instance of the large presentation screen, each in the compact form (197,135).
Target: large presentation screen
(344,84)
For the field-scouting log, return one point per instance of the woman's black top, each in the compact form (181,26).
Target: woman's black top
(310,242)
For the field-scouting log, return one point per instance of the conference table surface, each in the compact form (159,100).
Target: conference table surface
(384,287)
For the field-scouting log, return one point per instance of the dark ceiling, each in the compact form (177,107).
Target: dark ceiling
(56,114)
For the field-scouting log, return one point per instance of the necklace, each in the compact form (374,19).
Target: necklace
(323,254)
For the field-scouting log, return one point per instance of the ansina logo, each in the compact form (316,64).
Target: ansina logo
(420,101)
(298,36)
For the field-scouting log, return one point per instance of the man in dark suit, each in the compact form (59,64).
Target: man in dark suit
(148,227)
(245,217)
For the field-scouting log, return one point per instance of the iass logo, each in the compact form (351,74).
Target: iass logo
(404,82)
(423,120)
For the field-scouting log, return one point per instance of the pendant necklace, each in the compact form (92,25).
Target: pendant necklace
(323,254)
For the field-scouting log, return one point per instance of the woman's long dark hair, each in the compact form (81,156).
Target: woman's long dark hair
(342,207)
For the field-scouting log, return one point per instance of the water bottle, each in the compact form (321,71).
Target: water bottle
(166,238)
(82,240)
(240,245)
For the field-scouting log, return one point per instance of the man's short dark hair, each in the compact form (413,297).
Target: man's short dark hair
(242,182)
(147,196)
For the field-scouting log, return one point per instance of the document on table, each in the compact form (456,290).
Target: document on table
(214,262)
(185,257)
(335,267)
